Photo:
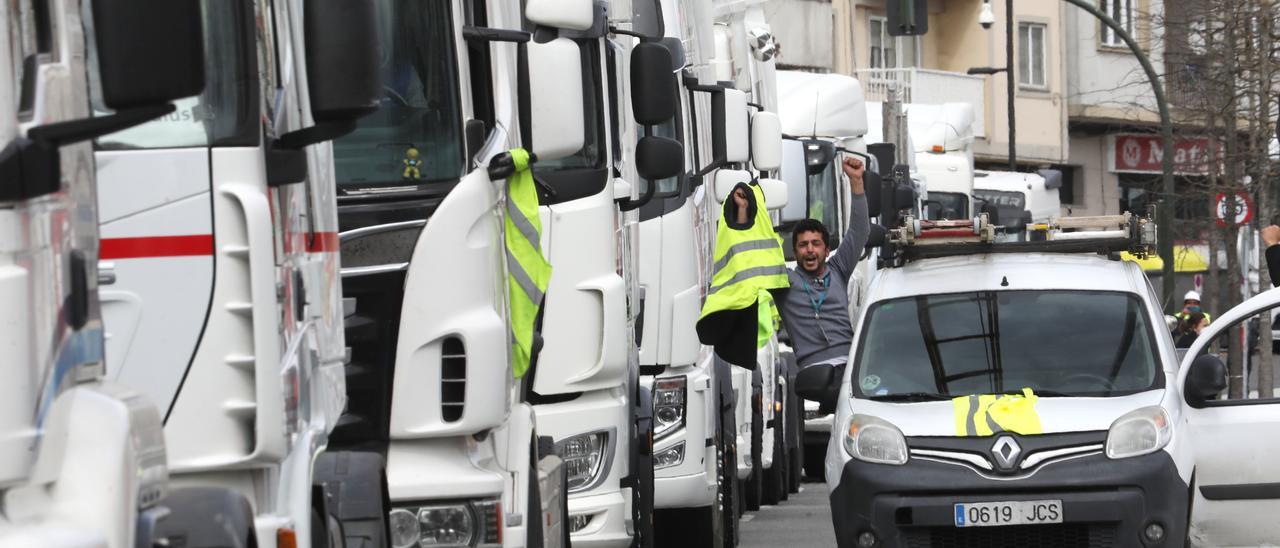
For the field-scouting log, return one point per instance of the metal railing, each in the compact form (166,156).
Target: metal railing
(930,87)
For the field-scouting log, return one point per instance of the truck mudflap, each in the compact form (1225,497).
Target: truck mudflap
(553,486)
(204,517)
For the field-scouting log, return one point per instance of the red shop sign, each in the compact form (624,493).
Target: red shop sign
(1145,154)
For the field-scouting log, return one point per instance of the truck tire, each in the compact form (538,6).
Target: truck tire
(796,463)
(533,507)
(754,488)
(775,480)
(814,462)
(356,484)
(730,496)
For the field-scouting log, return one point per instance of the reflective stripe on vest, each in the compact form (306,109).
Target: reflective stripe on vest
(748,263)
(528,272)
(988,414)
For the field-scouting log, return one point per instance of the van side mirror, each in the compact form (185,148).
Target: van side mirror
(1206,379)
(766,142)
(130,39)
(557,120)
(562,14)
(819,383)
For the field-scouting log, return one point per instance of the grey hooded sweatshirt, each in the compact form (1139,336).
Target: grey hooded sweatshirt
(828,333)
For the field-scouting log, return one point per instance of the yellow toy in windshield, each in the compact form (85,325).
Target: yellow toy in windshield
(412,164)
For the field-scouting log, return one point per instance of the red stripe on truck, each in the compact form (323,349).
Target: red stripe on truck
(321,242)
(150,247)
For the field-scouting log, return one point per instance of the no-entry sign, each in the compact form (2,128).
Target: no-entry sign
(1233,209)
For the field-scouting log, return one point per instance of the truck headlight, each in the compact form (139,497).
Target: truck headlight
(584,457)
(668,405)
(1139,432)
(459,525)
(875,440)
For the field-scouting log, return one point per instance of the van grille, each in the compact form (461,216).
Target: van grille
(453,379)
(1066,535)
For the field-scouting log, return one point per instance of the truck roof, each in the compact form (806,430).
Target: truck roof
(988,272)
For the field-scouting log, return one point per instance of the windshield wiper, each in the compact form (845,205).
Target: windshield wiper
(909,397)
(1039,392)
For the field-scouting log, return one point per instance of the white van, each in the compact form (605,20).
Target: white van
(1119,445)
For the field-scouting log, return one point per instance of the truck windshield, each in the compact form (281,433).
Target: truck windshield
(948,205)
(1057,343)
(820,203)
(415,137)
(226,114)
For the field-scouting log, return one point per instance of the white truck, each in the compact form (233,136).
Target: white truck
(220,293)
(83,462)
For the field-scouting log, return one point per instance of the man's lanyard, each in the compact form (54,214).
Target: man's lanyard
(821,298)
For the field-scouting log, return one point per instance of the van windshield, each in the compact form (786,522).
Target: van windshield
(415,137)
(1057,343)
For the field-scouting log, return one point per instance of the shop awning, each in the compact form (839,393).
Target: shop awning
(1186,260)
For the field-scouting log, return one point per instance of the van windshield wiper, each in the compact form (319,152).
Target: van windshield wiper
(1045,393)
(909,396)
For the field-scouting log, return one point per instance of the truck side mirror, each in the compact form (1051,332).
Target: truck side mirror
(562,14)
(766,142)
(730,137)
(886,156)
(557,121)
(343,79)
(134,37)
(131,39)
(775,193)
(1206,379)
(871,184)
(659,158)
(819,383)
(653,84)
(726,180)
(818,156)
(646,18)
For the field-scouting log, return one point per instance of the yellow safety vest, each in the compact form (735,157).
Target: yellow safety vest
(528,272)
(988,414)
(739,315)
(1184,315)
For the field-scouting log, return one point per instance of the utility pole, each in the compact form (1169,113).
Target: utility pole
(894,129)
(1009,77)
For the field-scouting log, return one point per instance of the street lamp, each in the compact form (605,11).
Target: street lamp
(987,18)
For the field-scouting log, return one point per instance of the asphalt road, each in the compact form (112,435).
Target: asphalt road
(804,520)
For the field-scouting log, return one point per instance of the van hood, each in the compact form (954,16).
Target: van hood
(1057,414)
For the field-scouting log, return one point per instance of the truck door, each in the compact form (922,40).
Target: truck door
(1236,484)
(156,213)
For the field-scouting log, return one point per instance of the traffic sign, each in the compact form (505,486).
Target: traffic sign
(1236,210)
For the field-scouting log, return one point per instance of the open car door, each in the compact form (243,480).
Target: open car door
(1231,429)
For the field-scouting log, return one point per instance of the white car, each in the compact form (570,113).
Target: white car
(1131,449)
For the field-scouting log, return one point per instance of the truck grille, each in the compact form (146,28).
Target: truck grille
(453,379)
(1066,535)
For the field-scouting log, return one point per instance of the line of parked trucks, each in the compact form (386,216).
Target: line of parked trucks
(257,290)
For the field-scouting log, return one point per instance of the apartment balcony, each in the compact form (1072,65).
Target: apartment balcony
(930,87)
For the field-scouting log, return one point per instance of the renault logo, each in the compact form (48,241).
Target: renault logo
(1006,452)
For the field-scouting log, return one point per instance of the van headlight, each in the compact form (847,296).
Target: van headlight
(875,440)
(1139,432)
(584,457)
(460,525)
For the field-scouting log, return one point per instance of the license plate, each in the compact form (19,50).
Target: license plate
(1022,512)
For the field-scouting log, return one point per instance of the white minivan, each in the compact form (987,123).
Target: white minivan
(1120,445)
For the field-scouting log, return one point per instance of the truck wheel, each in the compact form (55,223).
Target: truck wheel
(730,496)
(775,481)
(533,510)
(357,483)
(755,482)
(796,463)
(814,461)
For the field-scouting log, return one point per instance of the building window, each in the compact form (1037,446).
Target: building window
(1032,55)
(891,51)
(1122,12)
(1067,192)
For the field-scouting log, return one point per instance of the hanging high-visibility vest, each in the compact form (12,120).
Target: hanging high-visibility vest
(988,414)
(528,272)
(739,315)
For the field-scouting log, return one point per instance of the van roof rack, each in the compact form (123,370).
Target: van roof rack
(1105,234)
